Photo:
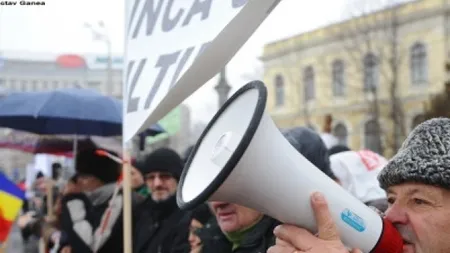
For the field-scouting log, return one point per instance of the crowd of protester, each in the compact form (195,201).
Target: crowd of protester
(87,214)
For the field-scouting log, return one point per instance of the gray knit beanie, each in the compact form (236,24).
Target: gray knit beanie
(423,158)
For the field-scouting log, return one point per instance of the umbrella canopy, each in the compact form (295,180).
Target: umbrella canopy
(56,145)
(64,111)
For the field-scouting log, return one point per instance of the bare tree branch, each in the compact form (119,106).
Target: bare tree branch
(375,30)
(293,71)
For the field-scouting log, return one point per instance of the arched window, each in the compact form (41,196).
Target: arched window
(418,64)
(341,133)
(371,75)
(372,136)
(338,78)
(279,91)
(417,120)
(308,81)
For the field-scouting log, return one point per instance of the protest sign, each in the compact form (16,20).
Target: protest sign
(175,47)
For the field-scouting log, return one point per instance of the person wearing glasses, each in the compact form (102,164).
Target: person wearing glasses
(162,227)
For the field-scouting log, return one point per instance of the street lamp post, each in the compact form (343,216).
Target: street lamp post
(104,37)
(109,78)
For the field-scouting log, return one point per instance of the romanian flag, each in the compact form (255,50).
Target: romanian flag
(11,200)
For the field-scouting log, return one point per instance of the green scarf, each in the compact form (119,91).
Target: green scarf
(236,237)
(143,191)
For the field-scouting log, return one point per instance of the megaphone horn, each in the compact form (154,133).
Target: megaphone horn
(242,158)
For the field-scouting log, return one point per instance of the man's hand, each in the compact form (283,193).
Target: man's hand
(55,237)
(25,219)
(292,239)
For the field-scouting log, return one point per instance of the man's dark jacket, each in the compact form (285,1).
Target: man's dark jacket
(93,208)
(161,228)
(257,240)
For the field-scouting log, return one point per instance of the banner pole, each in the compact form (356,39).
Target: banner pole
(127,209)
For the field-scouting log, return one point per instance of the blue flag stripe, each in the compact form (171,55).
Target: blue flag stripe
(10,187)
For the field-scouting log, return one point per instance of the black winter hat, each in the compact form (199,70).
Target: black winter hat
(202,214)
(337,149)
(56,170)
(424,157)
(56,165)
(88,162)
(311,146)
(39,175)
(161,160)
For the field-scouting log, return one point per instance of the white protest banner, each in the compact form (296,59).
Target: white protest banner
(175,47)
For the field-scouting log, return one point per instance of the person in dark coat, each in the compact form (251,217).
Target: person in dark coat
(82,214)
(257,237)
(137,181)
(243,230)
(162,227)
(57,175)
(44,227)
(200,218)
(38,208)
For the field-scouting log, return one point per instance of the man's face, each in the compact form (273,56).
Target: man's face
(41,185)
(232,217)
(161,184)
(194,240)
(421,214)
(136,178)
(88,183)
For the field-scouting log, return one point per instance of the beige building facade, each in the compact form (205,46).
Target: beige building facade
(350,68)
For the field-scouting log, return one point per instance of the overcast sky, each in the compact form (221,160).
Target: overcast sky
(58,28)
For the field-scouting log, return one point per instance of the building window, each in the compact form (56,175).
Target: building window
(23,85)
(34,85)
(341,133)
(308,81)
(118,88)
(338,78)
(12,84)
(2,82)
(93,84)
(279,91)
(76,84)
(371,75)
(55,85)
(372,136)
(44,85)
(418,64)
(417,120)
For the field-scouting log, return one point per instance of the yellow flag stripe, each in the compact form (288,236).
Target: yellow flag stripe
(9,206)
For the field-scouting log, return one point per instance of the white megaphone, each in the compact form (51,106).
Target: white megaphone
(243,158)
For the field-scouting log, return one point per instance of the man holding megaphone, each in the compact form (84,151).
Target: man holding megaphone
(242,158)
(247,230)
(417,181)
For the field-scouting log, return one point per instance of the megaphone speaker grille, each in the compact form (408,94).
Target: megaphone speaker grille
(217,152)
